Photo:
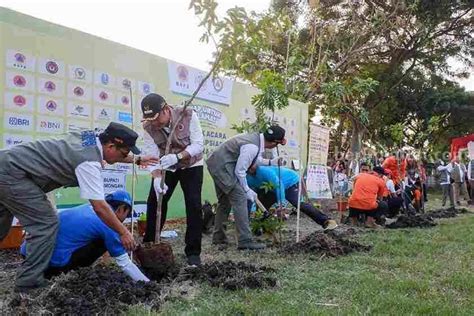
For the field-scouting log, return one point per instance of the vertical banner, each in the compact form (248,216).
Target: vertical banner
(470,148)
(317,180)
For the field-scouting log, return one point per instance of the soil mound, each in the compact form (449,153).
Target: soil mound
(230,275)
(331,244)
(91,291)
(404,221)
(446,213)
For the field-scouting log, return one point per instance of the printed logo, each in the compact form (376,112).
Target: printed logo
(218,84)
(146,88)
(18,121)
(104,78)
(103,96)
(125,100)
(78,91)
(79,109)
(52,67)
(125,117)
(51,105)
(183,73)
(20,58)
(126,83)
(50,86)
(104,113)
(79,73)
(19,81)
(19,100)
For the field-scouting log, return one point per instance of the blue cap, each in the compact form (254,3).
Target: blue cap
(119,196)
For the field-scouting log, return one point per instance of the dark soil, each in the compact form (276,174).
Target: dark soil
(331,244)
(446,213)
(421,220)
(90,291)
(157,260)
(230,275)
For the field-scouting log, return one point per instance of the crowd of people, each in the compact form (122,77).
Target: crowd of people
(398,182)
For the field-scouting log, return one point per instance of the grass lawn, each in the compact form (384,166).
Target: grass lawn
(410,271)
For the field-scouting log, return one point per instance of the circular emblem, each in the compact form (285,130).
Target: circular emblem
(182,73)
(20,58)
(78,91)
(43,124)
(126,83)
(79,109)
(103,95)
(125,100)
(79,73)
(218,84)
(50,86)
(51,105)
(52,67)
(180,127)
(19,81)
(19,100)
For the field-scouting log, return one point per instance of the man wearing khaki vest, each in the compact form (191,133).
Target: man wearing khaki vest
(29,171)
(228,166)
(184,164)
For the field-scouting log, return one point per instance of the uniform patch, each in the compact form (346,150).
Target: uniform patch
(88,138)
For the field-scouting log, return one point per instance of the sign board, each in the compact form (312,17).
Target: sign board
(317,182)
(318,144)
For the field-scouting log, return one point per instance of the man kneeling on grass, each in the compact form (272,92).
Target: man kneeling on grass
(285,188)
(83,238)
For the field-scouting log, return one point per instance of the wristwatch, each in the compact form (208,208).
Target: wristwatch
(179,156)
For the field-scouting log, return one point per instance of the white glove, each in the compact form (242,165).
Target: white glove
(251,195)
(168,161)
(157,187)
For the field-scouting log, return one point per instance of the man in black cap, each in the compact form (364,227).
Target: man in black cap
(228,166)
(183,164)
(28,171)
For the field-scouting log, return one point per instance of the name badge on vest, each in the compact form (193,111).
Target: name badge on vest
(88,138)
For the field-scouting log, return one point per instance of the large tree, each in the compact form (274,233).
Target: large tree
(346,58)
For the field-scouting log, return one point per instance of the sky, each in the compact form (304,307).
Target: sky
(166,28)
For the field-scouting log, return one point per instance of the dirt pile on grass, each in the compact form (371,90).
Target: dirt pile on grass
(405,221)
(446,213)
(90,291)
(331,244)
(230,275)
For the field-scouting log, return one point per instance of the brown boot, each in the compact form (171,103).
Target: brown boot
(370,223)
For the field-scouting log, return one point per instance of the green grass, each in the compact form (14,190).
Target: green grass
(408,272)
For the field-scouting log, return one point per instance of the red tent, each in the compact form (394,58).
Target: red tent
(460,143)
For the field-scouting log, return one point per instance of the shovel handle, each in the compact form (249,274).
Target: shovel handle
(260,205)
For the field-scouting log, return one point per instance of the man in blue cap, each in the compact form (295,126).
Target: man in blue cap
(83,238)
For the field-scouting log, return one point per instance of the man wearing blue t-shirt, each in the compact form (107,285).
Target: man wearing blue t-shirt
(83,238)
(285,189)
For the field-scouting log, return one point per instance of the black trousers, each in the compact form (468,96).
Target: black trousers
(82,257)
(190,180)
(381,209)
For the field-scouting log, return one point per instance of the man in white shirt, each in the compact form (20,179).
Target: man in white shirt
(470,177)
(183,164)
(445,182)
(29,171)
(228,166)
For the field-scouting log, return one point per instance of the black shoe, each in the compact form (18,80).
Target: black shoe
(250,245)
(194,260)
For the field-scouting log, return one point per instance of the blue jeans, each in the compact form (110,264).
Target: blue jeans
(291,193)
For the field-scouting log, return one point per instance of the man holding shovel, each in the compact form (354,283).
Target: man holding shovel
(183,164)
(228,166)
(28,171)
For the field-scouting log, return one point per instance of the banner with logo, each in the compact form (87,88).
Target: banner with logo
(54,86)
(184,80)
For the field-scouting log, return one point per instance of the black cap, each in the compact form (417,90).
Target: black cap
(152,105)
(275,133)
(379,170)
(121,134)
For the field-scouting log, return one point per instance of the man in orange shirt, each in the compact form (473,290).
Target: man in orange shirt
(366,197)
(396,165)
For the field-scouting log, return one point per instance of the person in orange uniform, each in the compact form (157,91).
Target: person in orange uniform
(367,196)
(396,166)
